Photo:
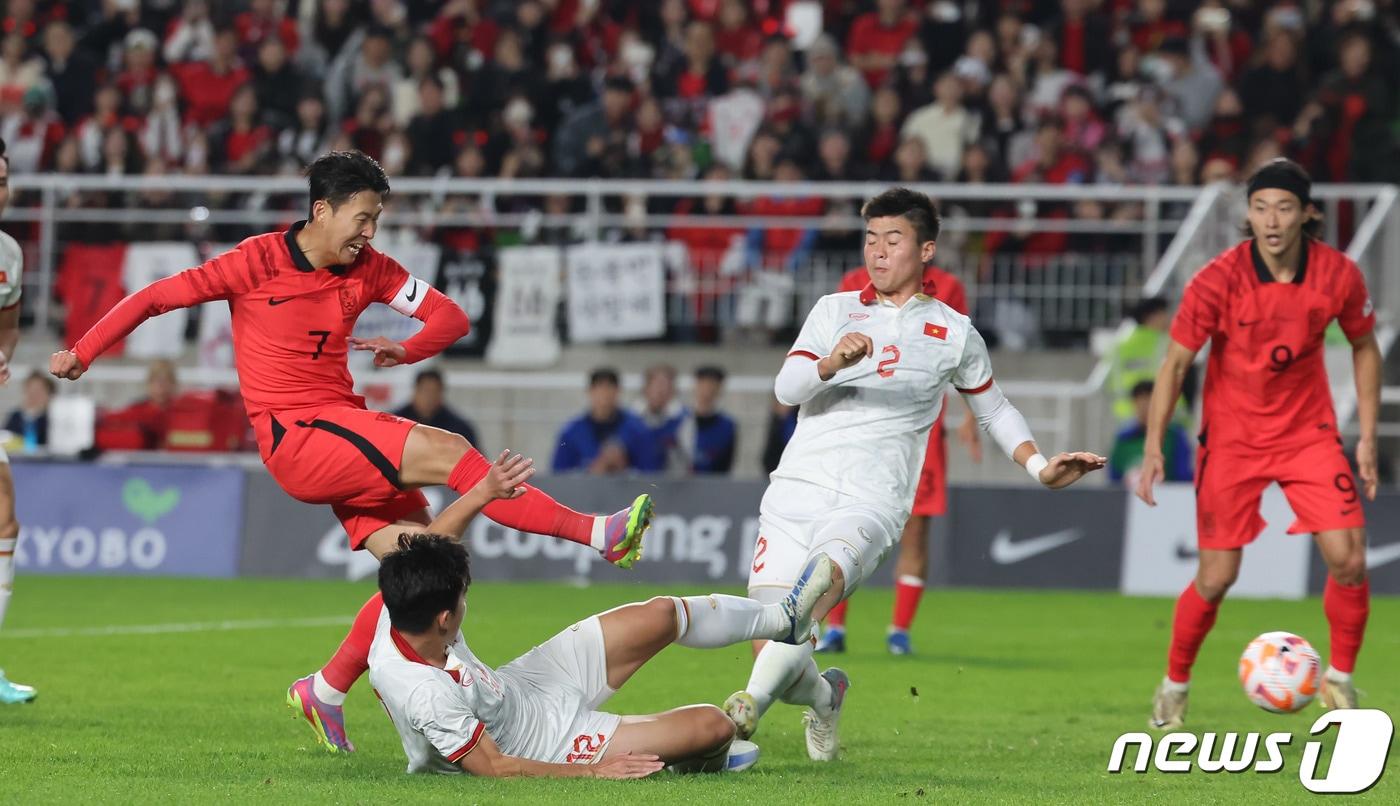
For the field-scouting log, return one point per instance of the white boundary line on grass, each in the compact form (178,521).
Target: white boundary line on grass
(161,629)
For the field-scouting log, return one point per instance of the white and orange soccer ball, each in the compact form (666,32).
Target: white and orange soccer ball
(1280,672)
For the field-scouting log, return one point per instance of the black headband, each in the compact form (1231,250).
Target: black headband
(1283,177)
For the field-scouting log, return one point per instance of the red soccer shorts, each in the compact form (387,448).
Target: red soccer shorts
(931,498)
(1316,480)
(349,458)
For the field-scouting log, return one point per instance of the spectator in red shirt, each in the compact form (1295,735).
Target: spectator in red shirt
(1084,40)
(208,87)
(784,247)
(241,143)
(151,414)
(1151,26)
(702,75)
(264,18)
(714,254)
(1347,124)
(877,38)
(737,39)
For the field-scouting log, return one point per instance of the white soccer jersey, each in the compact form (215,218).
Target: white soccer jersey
(865,433)
(531,707)
(11,267)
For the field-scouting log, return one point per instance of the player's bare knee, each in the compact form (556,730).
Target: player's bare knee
(1213,585)
(713,725)
(1350,572)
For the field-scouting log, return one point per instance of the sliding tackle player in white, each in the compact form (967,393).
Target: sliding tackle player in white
(870,370)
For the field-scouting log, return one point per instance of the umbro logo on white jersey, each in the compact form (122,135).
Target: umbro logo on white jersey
(1005,551)
(860,316)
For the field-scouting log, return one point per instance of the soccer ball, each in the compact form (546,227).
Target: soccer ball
(1280,672)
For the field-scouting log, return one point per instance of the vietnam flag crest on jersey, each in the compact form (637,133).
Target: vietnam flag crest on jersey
(936,331)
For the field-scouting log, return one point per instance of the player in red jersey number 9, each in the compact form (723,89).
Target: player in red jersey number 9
(1265,305)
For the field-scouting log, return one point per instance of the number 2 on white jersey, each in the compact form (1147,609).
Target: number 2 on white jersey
(885,369)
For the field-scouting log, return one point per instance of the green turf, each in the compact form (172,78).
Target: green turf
(1011,698)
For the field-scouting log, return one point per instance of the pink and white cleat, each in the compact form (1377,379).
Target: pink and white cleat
(326,721)
(624,530)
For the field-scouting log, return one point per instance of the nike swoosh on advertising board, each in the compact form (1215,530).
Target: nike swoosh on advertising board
(1005,551)
(1376,556)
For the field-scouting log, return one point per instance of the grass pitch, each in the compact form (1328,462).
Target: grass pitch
(1011,698)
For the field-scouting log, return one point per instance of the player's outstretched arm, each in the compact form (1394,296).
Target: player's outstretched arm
(1008,429)
(486,760)
(1165,391)
(218,278)
(504,480)
(1366,360)
(444,322)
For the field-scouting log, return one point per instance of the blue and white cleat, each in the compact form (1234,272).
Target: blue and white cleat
(823,741)
(802,600)
(833,641)
(14,693)
(897,642)
(326,721)
(624,531)
(742,755)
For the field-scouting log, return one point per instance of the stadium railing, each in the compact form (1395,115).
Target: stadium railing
(1064,288)
(1174,230)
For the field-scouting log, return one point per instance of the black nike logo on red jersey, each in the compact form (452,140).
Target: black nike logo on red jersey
(414,295)
(276,301)
(1243,323)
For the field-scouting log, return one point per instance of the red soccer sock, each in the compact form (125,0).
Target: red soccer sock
(352,659)
(837,617)
(532,512)
(908,590)
(1194,618)
(1347,607)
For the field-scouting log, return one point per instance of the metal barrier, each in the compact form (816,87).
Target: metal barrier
(1052,286)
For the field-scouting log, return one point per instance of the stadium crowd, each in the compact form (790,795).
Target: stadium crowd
(900,90)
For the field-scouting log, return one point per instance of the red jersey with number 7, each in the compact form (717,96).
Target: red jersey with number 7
(1266,388)
(291,320)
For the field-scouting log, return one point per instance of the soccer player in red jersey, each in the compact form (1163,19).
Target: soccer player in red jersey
(931,499)
(295,297)
(1264,305)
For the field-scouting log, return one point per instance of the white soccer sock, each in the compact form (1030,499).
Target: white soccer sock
(720,620)
(599,538)
(810,689)
(1332,673)
(775,669)
(7,573)
(1171,685)
(325,692)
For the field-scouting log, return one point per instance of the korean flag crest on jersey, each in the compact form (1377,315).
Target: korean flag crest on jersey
(350,299)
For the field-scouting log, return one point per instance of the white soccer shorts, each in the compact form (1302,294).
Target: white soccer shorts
(796,517)
(568,676)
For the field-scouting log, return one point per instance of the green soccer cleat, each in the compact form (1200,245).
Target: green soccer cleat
(624,530)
